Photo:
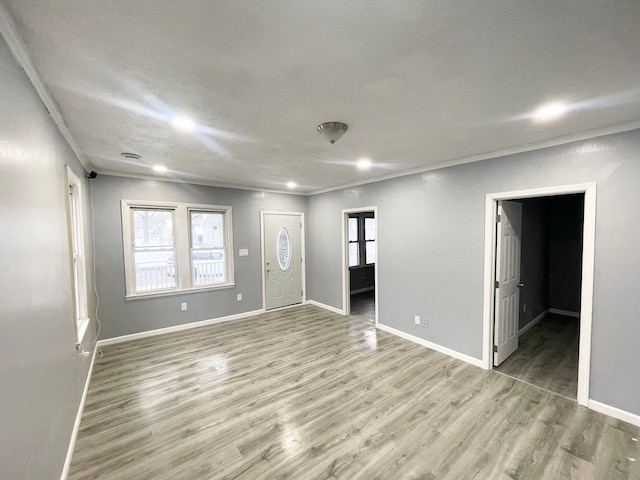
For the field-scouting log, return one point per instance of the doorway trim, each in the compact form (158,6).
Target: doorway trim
(302,251)
(588,256)
(346,281)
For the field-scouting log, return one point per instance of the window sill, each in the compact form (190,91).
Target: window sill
(168,293)
(81,328)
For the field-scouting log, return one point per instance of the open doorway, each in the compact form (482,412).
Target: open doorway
(538,325)
(359,263)
(546,298)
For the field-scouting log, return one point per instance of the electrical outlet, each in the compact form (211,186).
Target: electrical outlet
(239,297)
(183,306)
(416,319)
(524,308)
(425,322)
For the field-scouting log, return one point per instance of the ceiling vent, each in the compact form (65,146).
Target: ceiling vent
(130,156)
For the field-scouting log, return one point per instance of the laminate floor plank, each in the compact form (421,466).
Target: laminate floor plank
(303,393)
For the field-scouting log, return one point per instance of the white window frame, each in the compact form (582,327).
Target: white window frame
(182,243)
(77,258)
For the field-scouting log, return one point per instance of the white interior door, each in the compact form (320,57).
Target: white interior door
(283,259)
(508,280)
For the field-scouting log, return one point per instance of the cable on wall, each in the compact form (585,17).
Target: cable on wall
(95,286)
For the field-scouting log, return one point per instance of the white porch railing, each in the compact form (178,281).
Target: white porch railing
(160,277)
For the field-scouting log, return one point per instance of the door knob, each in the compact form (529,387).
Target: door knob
(520,285)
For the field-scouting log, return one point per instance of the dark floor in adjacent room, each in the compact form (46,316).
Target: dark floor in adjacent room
(363,306)
(547,355)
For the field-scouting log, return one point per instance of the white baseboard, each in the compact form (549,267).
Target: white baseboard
(566,313)
(177,328)
(433,346)
(532,323)
(614,412)
(326,307)
(76,424)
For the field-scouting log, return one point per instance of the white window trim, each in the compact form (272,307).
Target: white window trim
(78,264)
(182,243)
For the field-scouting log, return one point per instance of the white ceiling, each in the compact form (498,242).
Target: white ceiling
(418,82)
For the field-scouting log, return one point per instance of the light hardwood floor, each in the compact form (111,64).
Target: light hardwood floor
(547,355)
(304,393)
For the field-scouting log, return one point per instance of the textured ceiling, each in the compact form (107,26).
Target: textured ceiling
(418,82)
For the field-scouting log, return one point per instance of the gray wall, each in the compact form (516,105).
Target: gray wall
(566,219)
(41,373)
(431,249)
(534,262)
(123,317)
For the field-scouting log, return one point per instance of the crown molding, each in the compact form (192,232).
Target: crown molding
(9,31)
(599,132)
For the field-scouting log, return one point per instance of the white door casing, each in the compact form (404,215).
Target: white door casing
(282,257)
(507,305)
(588,262)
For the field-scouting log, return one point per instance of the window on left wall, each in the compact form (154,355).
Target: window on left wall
(175,247)
(78,258)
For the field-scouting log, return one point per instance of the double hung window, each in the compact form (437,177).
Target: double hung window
(175,247)
(362,240)
(78,260)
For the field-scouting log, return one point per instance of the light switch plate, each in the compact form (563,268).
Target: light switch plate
(243,252)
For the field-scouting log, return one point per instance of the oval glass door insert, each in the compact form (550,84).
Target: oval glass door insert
(284,249)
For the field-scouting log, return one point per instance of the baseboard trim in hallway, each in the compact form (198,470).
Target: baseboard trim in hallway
(532,323)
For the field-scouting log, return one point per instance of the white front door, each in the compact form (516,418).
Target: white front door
(283,259)
(507,280)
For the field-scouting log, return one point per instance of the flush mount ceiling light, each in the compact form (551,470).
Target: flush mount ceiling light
(332,131)
(551,111)
(183,123)
(364,164)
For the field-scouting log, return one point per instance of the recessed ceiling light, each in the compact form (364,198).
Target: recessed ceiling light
(160,169)
(184,123)
(550,111)
(364,164)
(291,184)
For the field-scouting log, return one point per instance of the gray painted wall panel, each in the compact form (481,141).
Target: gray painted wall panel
(566,220)
(534,266)
(431,249)
(121,317)
(41,374)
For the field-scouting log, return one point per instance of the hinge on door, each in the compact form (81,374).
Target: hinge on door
(498,218)
(495,349)
(497,284)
